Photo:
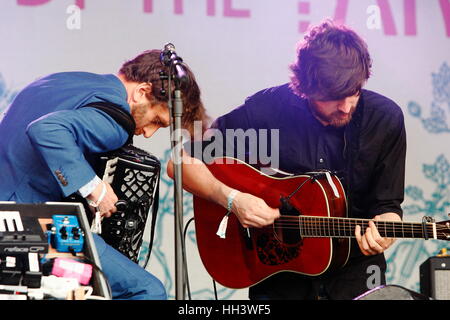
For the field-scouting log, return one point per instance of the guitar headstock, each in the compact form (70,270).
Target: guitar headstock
(443,230)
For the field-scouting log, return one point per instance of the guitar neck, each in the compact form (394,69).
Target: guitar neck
(312,226)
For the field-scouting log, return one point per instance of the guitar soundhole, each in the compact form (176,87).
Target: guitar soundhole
(288,236)
(273,252)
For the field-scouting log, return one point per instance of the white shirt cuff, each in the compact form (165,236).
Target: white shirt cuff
(89,187)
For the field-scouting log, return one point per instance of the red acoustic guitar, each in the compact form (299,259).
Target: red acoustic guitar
(311,237)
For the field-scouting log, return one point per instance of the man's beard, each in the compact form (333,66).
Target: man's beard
(336,119)
(138,112)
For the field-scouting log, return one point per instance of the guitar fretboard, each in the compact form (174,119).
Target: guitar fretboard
(311,226)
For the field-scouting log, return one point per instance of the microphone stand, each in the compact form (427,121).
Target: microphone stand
(176,112)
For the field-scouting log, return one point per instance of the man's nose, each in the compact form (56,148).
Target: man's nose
(149,131)
(345,105)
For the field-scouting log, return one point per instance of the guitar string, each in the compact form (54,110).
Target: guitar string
(383,225)
(320,226)
(349,231)
(351,221)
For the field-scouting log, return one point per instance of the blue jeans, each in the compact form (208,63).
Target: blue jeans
(127,279)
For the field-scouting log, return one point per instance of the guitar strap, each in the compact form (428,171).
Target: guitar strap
(123,118)
(331,183)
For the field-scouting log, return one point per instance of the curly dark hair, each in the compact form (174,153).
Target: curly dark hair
(147,67)
(332,63)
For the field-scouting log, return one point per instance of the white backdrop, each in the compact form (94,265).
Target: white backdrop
(237,47)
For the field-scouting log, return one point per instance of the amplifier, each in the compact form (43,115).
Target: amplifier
(435,278)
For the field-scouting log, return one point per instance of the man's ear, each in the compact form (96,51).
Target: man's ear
(142,91)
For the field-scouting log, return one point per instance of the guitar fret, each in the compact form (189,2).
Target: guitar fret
(307,229)
(307,226)
(328,223)
(334,231)
(322,229)
(319,227)
(404,231)
(316,229)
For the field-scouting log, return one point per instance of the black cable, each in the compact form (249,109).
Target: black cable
(215,289)
(299,187)
(150,244)
(186,275)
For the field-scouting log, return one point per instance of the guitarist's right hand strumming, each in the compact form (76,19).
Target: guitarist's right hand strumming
(250,210)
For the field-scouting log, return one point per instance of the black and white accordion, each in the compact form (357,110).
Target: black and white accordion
(134,175)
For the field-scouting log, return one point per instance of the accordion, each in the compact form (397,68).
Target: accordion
(134,175)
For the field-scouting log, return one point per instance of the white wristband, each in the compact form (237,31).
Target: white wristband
(223,224)
(230,199)
(100,199)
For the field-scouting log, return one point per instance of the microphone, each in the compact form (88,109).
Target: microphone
(170,58)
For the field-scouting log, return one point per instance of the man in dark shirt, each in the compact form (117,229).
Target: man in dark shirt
(324,120)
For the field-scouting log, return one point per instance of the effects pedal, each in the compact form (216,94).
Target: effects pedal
(66,234)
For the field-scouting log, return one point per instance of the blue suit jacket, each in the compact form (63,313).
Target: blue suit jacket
(45,137)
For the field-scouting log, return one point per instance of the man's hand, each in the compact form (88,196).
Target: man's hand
(107,204)
(253,211)
(371,242)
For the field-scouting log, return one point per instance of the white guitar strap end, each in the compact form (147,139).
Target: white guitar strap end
(331,183)
(222,227)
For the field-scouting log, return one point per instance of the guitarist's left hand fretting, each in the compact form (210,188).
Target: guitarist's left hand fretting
(371,243)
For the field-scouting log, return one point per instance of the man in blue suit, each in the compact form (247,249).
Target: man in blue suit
(48,136)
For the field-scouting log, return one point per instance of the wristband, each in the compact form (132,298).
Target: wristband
(230,199)
(223,224)
(100,198)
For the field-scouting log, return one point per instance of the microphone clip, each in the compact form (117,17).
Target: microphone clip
(170,59)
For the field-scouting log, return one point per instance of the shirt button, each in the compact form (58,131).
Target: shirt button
(321,160)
